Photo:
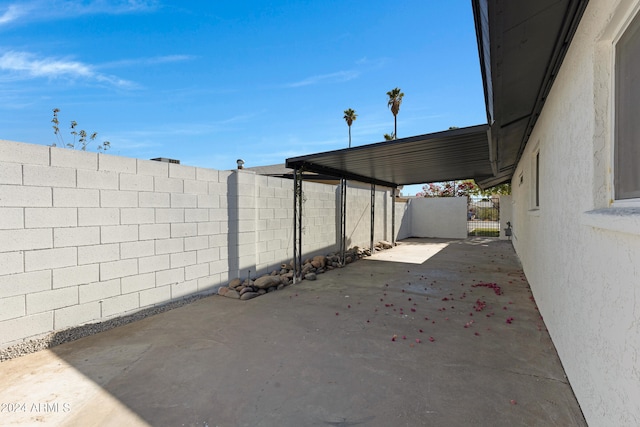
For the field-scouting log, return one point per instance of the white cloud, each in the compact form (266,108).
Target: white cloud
(338,77)
(147,61)
(24,12)
(373,63)
(23,65)
(170,58)
(173,130)
(12,13)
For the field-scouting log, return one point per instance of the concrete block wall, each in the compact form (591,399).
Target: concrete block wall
(320,210)
(87,236)
(359,215)
(402,220)
(262,217)
(261,222)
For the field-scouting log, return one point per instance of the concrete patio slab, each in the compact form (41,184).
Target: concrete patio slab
(432,332)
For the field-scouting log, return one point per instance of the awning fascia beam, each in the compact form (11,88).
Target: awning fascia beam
(314,167)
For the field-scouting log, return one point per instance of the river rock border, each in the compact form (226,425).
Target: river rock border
(278,279)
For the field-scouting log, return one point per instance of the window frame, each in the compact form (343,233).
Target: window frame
(534,186)
(632,23)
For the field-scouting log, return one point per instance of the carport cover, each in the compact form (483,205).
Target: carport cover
(442,156)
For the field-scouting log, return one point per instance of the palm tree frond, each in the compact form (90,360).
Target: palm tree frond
(350,116)
(395,99)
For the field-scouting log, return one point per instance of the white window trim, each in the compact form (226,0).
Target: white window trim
(622,216)
(622,26)
(534,179)
(622,220)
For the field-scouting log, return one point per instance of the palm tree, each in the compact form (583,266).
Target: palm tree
(350,117)
(395,99)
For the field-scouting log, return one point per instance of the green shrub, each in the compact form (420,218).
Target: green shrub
(487,214)
(485,232)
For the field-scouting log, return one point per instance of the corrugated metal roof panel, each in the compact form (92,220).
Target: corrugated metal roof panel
(452,154)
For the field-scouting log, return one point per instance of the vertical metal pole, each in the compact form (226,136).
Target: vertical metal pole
(373,216)
(300,214)
(393,216)
(340,236)
(295,224)
(343,220)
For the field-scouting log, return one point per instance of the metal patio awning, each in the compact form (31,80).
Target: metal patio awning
(521,44)
(442,156)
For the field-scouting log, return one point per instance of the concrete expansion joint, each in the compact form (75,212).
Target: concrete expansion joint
(540,377)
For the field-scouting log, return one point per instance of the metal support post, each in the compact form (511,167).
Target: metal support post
(343,220)
(373,216)
(300,213)
(297,224)
(393,216)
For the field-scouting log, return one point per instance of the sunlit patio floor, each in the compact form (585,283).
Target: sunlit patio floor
(432,332)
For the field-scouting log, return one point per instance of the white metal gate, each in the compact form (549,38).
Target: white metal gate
(483,216)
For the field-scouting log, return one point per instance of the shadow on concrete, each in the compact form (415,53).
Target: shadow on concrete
(377,343)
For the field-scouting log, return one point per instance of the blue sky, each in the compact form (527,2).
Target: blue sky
(208,82)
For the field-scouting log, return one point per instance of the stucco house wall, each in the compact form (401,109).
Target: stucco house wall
(580,254)
(444,217)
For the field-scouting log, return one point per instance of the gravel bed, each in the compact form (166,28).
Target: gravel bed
(67,335)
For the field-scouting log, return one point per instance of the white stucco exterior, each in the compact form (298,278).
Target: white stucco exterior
(444,217)
(581,255)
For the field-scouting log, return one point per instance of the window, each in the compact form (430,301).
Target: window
(534,186)
(537,172)
(627,110)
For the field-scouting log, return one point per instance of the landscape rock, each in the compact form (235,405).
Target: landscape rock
(249,295)
(280,278)
(266,282)
(232,293)
(247,289)
(385,244)
(319,261)
(235,283)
